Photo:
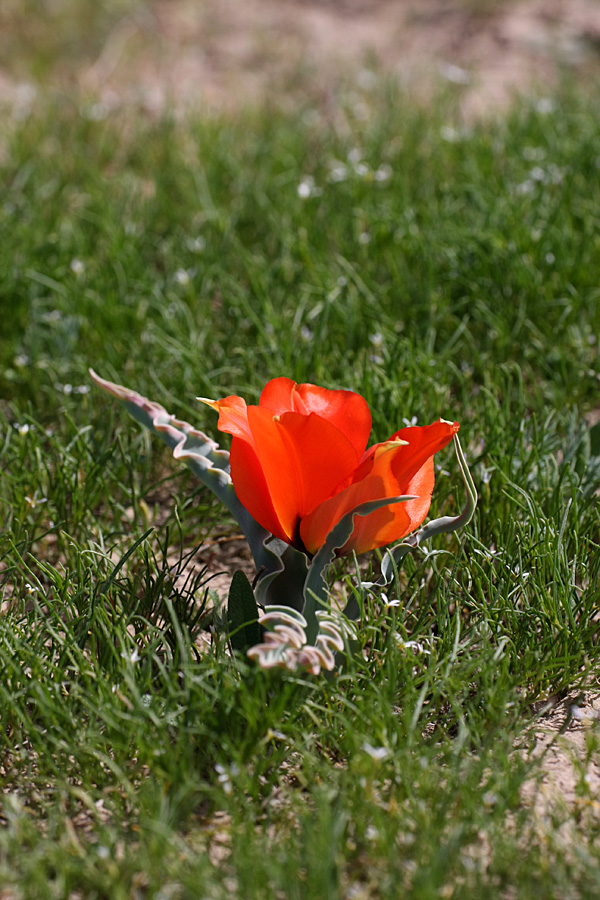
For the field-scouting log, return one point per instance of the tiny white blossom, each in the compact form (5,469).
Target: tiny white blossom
(35,500)
(455,74)
(537,174)
(449,134)
(526,187)
(338,172)
(307,188)
(376,753)
(364,237)
(77,266)
(545,105)
(197,244)
(133,657)
(415,646)
(383,173)
(182,277)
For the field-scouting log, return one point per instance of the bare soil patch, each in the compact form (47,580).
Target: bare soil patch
(226,53)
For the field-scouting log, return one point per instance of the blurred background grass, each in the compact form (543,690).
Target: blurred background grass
(438,264)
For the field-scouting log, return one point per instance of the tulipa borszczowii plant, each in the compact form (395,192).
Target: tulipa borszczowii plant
(305,489)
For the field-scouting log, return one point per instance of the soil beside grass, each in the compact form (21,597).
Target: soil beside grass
(227,53)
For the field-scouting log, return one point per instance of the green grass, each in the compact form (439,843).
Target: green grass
(180,259)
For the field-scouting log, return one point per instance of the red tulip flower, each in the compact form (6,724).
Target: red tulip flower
(299,463)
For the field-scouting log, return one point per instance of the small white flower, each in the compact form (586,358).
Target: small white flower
(410,423)
(585,715)
(224,776)
(182,276)
(21,360)
(545,105)
(305,188)
(550,258)
(354,156)
(526,187)
(77,266)
(197,244)
(415,646)
(537,174)
(133,656)
(338,172)
(34,501)
(67,389)
(383,173)
(23,429)
(306,334)
(376,753)
(364,237)
(455,74)
(449,134)
(376,339)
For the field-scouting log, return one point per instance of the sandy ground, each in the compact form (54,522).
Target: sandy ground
(224,53)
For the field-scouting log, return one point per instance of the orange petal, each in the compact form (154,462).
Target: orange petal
(387,470)
(253,491)
(349,412)
(303,460)
(233,417)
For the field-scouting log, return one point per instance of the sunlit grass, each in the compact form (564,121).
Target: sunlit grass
(436,270)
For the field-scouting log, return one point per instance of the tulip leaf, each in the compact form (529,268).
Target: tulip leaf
(206,460)
(315,586)
(394,555)
(283,586)
(242,614)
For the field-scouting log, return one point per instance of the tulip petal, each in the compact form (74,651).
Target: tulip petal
(252,490)
(349,412)
(387,470)
(289,465)
(233,417)
(315,586)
